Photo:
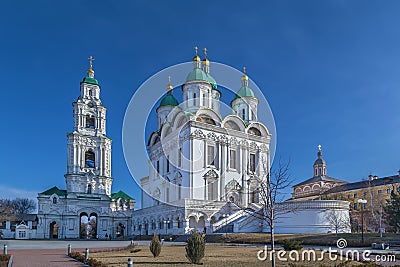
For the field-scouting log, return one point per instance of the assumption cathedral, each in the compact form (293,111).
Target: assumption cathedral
(87,208)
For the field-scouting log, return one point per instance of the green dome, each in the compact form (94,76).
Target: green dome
(197,75)
(90,80)
(169,100)
(212,81)
(245,91)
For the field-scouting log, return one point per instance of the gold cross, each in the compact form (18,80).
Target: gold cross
(196,49)
(169,79)
(91,62)
(244,70)
(205,52)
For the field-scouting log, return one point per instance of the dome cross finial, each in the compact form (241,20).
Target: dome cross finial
(90,70)
(169,86)
(205,52)
(197,50)
(319,147)
(244,70)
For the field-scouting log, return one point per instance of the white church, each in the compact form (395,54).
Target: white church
(87,208)
(205,169)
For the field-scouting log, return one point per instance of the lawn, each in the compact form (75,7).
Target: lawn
(353,239)
(221,256)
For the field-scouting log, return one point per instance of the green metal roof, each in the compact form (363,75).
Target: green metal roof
(121,194)
(54,190)
(197,75)
(212,81)
(244,91)
(169,100)
(90,80)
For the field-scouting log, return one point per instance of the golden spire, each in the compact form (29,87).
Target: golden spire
(196,57)
(169,86)
(90,71)
(244,77)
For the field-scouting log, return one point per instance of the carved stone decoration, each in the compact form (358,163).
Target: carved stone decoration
(223,139)
(212,136)
(211,174)
(198,133)
(234,141)
(253,145)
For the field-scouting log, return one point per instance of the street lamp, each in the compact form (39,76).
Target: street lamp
(362,203)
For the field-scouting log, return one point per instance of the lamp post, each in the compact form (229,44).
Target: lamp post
(362,202)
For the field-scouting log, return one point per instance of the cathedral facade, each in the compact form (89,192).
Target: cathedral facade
(204,168)
(87,208)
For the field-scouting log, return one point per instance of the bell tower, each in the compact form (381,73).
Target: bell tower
(89,149)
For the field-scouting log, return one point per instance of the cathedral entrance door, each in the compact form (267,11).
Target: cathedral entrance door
(54,230)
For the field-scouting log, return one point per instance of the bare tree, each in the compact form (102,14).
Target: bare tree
(338,221)
(6,210)
(272,185)
(23,205)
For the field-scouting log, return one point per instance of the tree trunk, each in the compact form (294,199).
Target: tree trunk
(272,228)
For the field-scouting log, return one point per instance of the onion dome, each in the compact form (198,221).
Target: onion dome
(169,99)
(245,90)
(90,73)
(319,160)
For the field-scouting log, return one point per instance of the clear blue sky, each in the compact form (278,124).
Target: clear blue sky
(329,69)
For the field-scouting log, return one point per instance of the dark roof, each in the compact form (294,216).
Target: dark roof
(319,162)
(54,190)
(364,184)
(121,194)
(321,178)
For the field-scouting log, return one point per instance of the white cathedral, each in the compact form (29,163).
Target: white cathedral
(87,208)
(204,168)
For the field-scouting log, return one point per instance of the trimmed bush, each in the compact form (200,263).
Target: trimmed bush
(91,262)
(155,246)
(195,246)
(291,244)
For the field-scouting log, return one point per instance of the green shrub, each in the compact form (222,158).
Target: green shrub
(291,244)
(155,246)
(195,246)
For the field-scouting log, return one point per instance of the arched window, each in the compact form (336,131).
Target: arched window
(206,119)
(90,121)
(243,114)
(54,200)
(254,131)
(89,159)
(89,189)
